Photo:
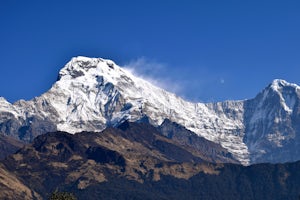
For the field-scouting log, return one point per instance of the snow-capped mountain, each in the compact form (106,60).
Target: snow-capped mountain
(93,93)
(272,123)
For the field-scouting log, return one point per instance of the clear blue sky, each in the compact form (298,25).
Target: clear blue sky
(210,50)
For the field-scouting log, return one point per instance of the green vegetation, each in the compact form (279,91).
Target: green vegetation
(62,196)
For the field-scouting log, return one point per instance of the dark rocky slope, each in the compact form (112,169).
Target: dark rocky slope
(134,161)
(9,145)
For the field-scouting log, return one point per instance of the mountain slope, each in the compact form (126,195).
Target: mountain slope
(134,161)
(9,146)
(93,93)
(189,140)
(135,152)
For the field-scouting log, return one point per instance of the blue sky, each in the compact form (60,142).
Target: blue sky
(203,50)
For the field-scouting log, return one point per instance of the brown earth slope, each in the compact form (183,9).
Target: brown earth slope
(134,161)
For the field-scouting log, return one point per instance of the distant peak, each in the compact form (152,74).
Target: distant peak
(277,84)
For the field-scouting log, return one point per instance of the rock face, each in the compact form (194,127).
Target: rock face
(93,93)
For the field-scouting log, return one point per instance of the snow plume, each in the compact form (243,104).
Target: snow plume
(155,73)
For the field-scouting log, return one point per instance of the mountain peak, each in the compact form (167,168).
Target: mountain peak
(285,93)
(80,66)
(278,84)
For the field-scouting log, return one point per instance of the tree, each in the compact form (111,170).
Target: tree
(62,196)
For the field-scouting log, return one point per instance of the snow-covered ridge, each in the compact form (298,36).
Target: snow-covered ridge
(93,93)
(287,99)
(156,103)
